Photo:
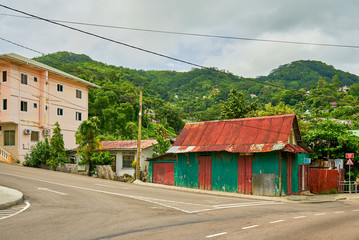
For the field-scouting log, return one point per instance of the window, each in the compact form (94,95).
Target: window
(78,116)
(23,106)
(4,104)
(60,87)
(127,161)
(78,94)
(23,79)
(60,112)
(35,105)
(9,138)
(35,136)
(35,79)
(4,76)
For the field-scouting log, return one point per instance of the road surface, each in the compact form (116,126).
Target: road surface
(66,206)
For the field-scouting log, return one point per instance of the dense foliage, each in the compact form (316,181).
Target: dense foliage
(311,89)
(38,154)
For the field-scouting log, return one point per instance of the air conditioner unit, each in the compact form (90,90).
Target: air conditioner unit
(27,131)
(46,132)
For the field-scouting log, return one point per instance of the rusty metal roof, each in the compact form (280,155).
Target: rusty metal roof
(245,135)
(126,144)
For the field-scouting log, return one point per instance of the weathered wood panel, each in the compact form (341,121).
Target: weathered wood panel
(205,172)
(163,173)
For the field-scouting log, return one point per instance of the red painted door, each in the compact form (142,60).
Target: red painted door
(289,174)
(245,174)
(205,172)
(163,173)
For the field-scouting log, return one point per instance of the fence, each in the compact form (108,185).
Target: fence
(323,180)
(345,187)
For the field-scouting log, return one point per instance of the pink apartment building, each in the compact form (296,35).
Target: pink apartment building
(33,97)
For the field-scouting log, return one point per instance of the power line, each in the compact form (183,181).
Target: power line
(50,94)
(213,69)
(193,34)
(105,38)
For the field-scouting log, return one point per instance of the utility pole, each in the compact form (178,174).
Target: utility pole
(138,174)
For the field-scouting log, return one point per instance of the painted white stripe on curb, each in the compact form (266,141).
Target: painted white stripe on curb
(253,226)
(319,214)
(23,209)
(339,212)
(356,210)
(300,217)
(277,221)
(215,235)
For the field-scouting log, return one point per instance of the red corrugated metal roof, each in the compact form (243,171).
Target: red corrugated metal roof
(245,135)
(127,144)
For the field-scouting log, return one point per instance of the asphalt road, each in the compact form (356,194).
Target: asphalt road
(66,206)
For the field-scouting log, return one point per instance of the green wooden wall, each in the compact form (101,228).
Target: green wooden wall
(225,171)
(186,175)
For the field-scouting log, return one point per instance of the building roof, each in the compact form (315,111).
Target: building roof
(245,135)
(127,144)
(15,58)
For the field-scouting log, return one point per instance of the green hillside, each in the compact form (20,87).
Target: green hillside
(198,94)
(305,74)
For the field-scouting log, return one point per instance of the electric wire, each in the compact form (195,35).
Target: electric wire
(193,34)
(105,38)
(50,94)
(213,69)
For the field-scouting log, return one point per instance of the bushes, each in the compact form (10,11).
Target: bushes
(39,154)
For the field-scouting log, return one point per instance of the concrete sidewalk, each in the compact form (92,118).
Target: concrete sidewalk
(10,197)
(291,198)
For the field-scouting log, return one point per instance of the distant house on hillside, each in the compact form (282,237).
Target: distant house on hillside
(124,153)
(33,97)
(260,156)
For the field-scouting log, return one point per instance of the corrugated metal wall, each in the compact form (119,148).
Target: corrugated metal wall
(265,171)
(323,180)
(163,173)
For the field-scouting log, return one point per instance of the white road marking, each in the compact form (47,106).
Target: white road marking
(356,210)
(49,190)
(339,212)
(253,226)
(9,214)
(319,214)
(103,185)
(215,235)
(277,221)
(300,217)
(162,202)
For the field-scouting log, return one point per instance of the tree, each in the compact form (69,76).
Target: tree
(329,139)
(163,144)
(236,106)
(270,110)
(89,143)
(57,148)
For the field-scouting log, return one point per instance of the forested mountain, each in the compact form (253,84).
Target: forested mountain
(306,74)
(198,94)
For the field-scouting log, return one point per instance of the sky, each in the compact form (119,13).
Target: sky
(315,21)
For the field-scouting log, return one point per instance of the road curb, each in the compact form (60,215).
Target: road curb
(211,192)
(300,199)
(10,197)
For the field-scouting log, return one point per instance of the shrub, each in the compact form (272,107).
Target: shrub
(333,191)
(38,154)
